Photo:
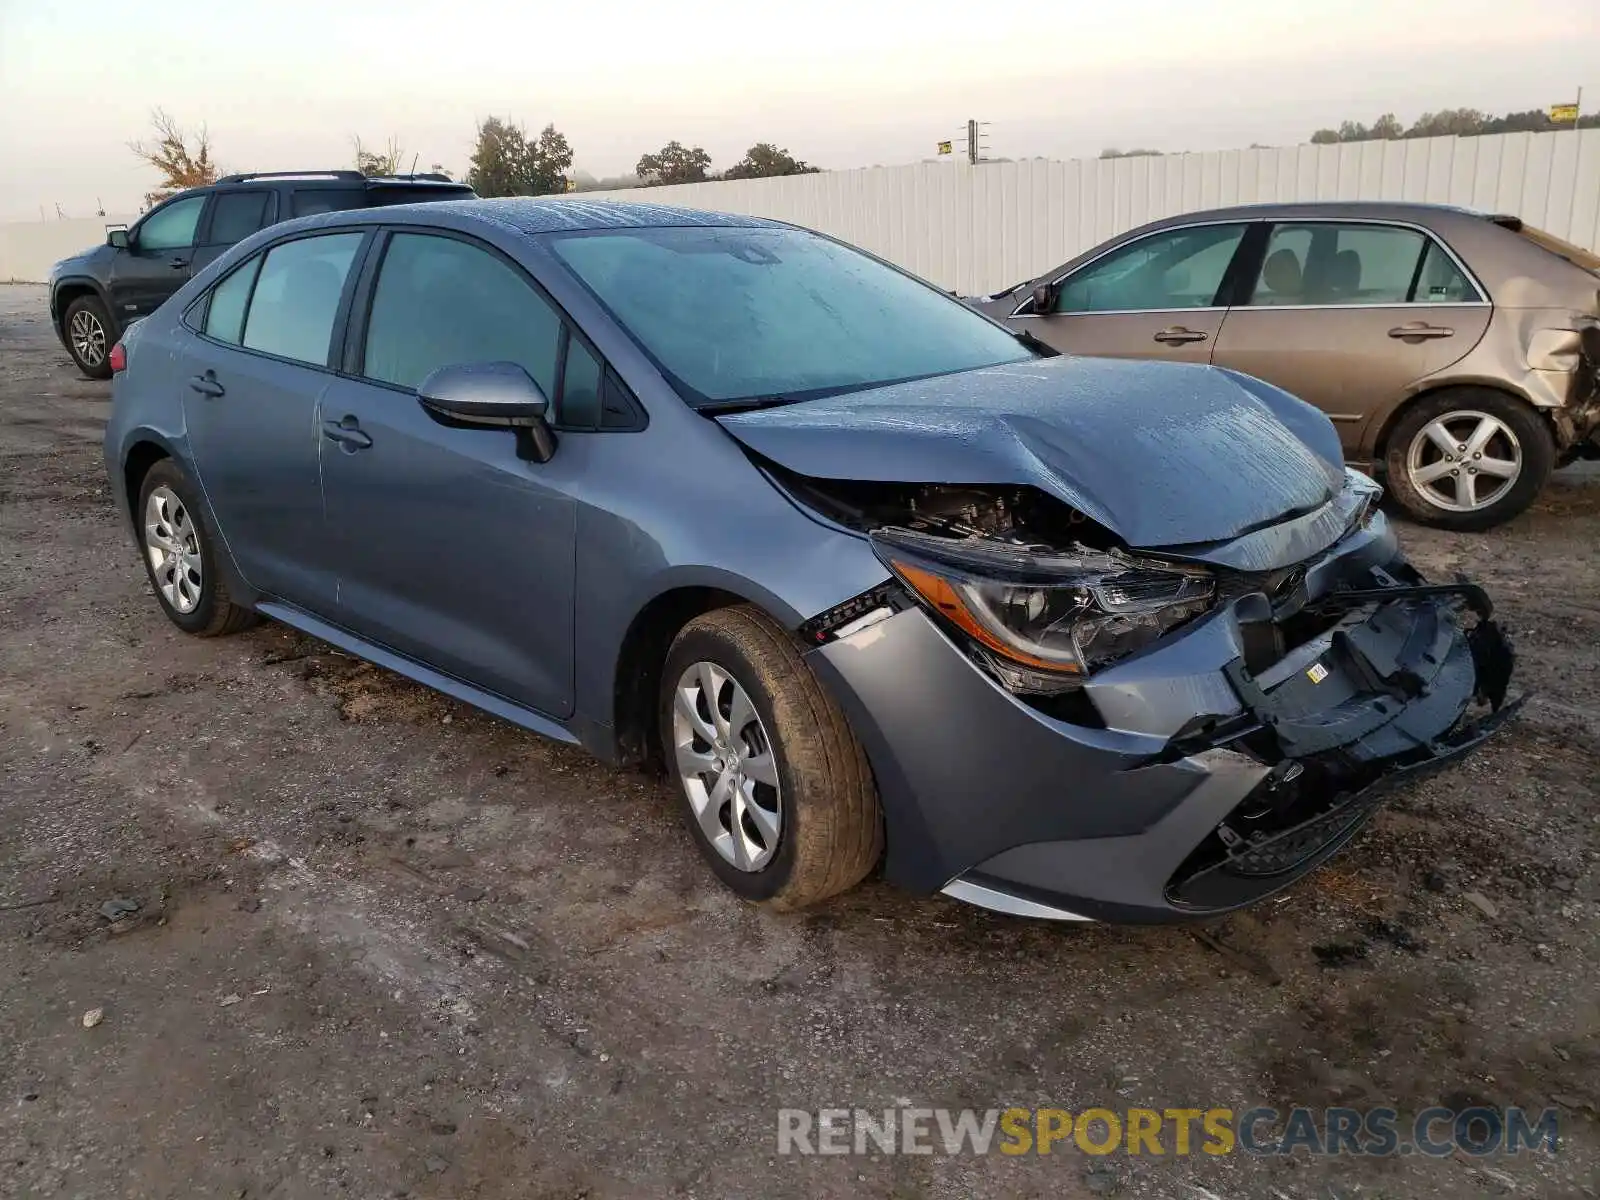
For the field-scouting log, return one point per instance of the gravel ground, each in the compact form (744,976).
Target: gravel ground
(389,946)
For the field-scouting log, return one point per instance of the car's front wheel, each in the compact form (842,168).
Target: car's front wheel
(89,336)
(180,556)
(1468,458)
(775,788)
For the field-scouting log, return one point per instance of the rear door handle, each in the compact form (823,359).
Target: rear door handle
(207,384)
(1178,336)
(348,433)
(1420,332)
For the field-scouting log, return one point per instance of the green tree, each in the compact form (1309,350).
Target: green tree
(674,163)
(507,163)
(1136,152)
(764,160)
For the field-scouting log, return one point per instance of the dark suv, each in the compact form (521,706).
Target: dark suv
(96,295)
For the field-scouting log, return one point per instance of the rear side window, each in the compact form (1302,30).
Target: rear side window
(1326,263)
(1180,269)
(310,201)
(225,313)
(441,302)
(236,215)
(1441,281)
(297,295)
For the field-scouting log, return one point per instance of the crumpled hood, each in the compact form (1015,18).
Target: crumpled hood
(1162,454)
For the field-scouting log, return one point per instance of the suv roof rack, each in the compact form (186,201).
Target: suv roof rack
(423,176)
(248,175)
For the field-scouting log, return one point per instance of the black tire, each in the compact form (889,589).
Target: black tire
(89,309)
(215,613)
(1534,439)
(831,835)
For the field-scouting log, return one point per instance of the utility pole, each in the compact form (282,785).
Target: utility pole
(1579,109)
(972,142)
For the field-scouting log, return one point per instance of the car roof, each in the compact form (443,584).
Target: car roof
(1352,209)
(530,215)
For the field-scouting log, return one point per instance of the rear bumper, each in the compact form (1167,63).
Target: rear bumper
(1211,786)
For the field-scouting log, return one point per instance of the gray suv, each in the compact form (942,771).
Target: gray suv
(875,580)
(98,293)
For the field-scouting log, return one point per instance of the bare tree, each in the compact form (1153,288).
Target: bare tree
(170,153)
(379,162)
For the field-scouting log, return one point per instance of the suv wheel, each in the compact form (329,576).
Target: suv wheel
(776,790)
(89,336)
(179,558)
(1468,458)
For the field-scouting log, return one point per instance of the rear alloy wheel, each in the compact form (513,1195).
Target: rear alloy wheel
(776,790)
(1469,458)
(88,337)
(178,556)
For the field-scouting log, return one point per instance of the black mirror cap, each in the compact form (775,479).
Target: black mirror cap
(1044,297)
(492,395)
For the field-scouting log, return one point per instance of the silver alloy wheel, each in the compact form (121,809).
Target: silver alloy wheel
(173,545)
(726,762)
(1464,461)
(88,338)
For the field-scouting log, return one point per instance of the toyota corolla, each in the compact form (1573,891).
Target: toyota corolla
(878,582)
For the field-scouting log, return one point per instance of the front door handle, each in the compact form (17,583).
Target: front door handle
(207,384)
(1178,336)
(1420,331)
(178,264)
(348,433)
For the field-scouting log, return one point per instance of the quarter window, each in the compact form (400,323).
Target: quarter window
(1330,264)
(440,302)
(172,227)
(1180,269)
(297,297)
(236,215)
(225,314)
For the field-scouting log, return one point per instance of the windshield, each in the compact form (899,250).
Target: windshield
(737,314)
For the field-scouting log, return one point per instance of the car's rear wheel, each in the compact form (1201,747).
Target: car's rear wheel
(1468,458)
(180,558)
(89,336)
(775,788)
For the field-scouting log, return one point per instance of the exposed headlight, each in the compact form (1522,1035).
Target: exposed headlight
(1045,621)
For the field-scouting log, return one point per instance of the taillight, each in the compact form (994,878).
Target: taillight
(118,358)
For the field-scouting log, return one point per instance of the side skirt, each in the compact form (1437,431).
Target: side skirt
(499,706)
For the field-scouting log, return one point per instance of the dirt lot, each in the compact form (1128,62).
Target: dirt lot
(388,946)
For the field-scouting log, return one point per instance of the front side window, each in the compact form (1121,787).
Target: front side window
(236,215)
(441,302)
(733,313)
(296,298)
(172,227)
(225,313)
(1327,263)
(1183,268)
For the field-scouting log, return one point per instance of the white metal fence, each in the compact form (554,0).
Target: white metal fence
(978,229)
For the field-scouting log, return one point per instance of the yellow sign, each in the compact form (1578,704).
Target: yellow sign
(1563,113)
(946,148)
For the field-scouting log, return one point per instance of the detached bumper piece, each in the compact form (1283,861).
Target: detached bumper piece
(1380,700)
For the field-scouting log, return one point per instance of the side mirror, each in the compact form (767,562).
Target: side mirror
(1044,298)
(117,236)
(496,395)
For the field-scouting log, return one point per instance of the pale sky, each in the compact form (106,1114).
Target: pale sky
(840,83)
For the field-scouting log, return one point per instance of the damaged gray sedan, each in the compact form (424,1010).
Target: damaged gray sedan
(876,581)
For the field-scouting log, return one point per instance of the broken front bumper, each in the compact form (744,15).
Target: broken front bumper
(1213,783)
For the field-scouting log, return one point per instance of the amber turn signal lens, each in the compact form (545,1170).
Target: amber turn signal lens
(937,591)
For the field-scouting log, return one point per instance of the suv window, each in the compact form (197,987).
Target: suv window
(442,302)
(172,227)
(1328,263)
(1183,268)
(236,215)
(297,296)
(225,312)
(310,201)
